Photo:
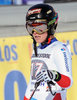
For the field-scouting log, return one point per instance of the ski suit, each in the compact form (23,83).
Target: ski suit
(53,56)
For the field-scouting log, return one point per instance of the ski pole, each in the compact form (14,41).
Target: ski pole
(50,87)
(36,85)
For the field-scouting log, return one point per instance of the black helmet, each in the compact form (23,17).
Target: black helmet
(43,11)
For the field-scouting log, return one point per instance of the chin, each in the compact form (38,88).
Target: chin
(39,41)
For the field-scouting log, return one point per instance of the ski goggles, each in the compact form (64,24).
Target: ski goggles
(38,26)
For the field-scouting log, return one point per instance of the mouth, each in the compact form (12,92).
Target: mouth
(37,37)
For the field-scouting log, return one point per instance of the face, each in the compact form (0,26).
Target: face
(40,38)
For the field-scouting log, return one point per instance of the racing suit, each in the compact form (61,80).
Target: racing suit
(53,56)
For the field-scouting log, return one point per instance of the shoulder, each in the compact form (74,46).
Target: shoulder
(60,47)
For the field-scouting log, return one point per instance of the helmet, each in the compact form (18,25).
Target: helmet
(43,12)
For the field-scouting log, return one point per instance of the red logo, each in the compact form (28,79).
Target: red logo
(33,11)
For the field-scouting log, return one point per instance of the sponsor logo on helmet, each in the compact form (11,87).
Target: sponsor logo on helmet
(48,12)
(51,22)
(32,17)
(33,11)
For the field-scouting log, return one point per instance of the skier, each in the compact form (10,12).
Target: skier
(51,65)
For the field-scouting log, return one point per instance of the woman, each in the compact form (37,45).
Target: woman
(51,72)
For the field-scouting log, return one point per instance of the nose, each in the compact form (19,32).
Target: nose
(34,33)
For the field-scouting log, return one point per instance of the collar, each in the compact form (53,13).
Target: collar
(44,46)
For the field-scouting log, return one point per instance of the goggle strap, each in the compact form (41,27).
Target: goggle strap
(55,19)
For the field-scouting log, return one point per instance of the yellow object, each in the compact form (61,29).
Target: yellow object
(15,56)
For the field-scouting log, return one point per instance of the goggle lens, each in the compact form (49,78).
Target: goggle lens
(40,28)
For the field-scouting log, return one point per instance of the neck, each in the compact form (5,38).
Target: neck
(48,40)
(51,36)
